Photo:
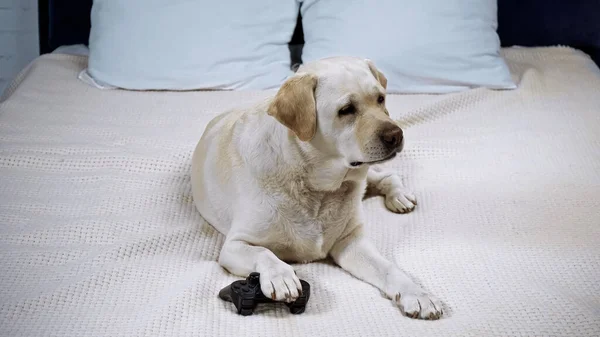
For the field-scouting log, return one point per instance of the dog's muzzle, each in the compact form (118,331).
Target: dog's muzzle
(401,146)
(392,138)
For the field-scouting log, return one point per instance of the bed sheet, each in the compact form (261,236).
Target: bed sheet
(99,235)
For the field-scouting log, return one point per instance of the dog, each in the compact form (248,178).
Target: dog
(284,180)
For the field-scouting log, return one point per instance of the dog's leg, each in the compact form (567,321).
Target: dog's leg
(387,183)
(358,256)
(278,279)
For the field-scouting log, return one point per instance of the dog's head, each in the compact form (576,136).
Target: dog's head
(338,105)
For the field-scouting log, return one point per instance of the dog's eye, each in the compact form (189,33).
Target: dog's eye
(380,99)
(347,110)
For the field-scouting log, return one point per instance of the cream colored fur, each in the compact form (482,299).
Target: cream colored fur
(284,181)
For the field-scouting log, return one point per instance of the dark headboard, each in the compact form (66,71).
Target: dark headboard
(520,22)
(573,23)
(63,22)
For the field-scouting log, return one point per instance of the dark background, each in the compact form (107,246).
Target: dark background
(574,23)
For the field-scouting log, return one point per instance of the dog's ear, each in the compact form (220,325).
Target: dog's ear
(378,74)
(294,105)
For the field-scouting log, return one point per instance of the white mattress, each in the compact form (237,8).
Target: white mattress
(99,235)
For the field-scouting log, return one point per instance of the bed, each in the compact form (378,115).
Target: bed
(99,235)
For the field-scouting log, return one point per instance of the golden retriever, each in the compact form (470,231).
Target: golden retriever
(284,180)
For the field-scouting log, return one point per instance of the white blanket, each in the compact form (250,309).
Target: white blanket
(99,235)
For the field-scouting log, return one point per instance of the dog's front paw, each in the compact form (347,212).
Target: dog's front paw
(279,282)
(400,200)
(416,304)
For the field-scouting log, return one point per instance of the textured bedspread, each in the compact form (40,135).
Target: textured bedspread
(99,235)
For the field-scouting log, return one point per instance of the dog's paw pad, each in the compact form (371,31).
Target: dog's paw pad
(419,305)
(400,201)
(280,282)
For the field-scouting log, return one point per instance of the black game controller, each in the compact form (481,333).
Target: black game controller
(246,295)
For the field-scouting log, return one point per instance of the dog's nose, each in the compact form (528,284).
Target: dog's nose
(392,138)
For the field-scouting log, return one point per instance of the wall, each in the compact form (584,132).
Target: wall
(19,42)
